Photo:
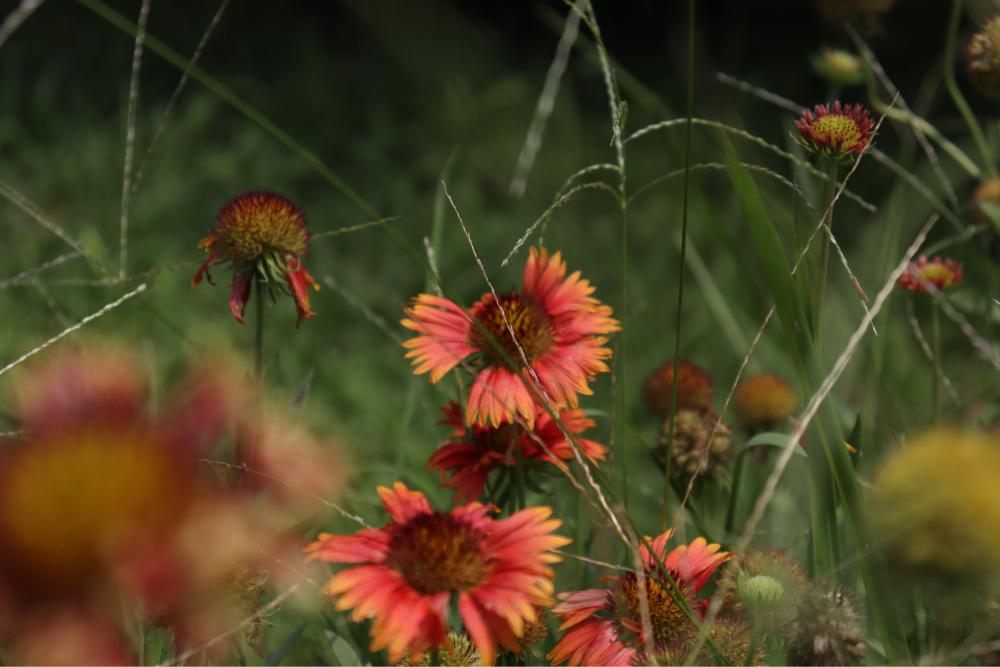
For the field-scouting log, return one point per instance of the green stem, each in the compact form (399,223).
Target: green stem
(681,271)
(936,362)
(734,493)
(956,93)
(258,341)
(824,257)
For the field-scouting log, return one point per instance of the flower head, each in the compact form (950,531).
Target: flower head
(937,271)
(604,626)
(982,58)
(558,325)
(987,192)
(838,66)
(264,237)
(702,444)
(837,131)
(473,452)
(694,388)
(405,574)
(826,630)
(763,401)
(937,503)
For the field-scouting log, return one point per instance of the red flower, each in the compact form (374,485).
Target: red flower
(938,271)
(557,323)
(604,626)
(694,388)
(838,131)
(472,453)
(264,236)
(764,400)
(405,574)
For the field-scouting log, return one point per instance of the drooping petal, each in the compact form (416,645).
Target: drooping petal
(239,294)
(202,271)
(444,331)
(299,279)
(476,626)
(498,395)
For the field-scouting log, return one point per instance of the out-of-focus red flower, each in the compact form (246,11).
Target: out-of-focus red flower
(940,272)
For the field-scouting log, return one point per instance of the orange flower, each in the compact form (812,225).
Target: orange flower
(762,401)
(694,388)
(472,453)
(264,236)
(405,574)
(839,131)
(557,323)
(939,272)
(604,626)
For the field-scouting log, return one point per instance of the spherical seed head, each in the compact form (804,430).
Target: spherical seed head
(763,401)
(255,223)
(826,630)
(837,11)
(987,192)
(838,66)
(837,131)
(936,503)
(982,58)
(457,651)
(941,272)
(692,451)
(731,635)
(694,388)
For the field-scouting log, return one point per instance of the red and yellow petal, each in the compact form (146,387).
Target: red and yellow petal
(499,395)
(403,504)
(300,280)
(444,330)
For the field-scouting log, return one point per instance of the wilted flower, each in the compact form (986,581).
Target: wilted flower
(692,452)
(558,325)
(733,638)
(694,388)
(826,630)
(836,11)
(473,452)
(838,66)
(837,131)
(939,272)
(604,627)
(406,574)
(982,58)
(936,502)
(763,401)
(264,237)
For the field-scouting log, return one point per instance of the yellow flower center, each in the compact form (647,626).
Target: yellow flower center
(938,274)
(669,621)
(255,223)
(840,130)
(65,503)
(530,324)
(437,553)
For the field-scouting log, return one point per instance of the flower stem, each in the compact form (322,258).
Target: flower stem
(936,362)
(681,270)
(824,257)
(259,332)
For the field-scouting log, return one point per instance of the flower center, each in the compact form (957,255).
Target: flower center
(530,324)
(666,616)
(257,222)
(938,274)
(437,553)
(839,130)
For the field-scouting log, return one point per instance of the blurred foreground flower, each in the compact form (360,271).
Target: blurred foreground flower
(604,626)
(694,388)
(939,272)
(762,402)
(264,237)
(936,502)
(556,322)
(406,574)
(982,58)
(838,66)
(837,131)
(102,498)
(473,452)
